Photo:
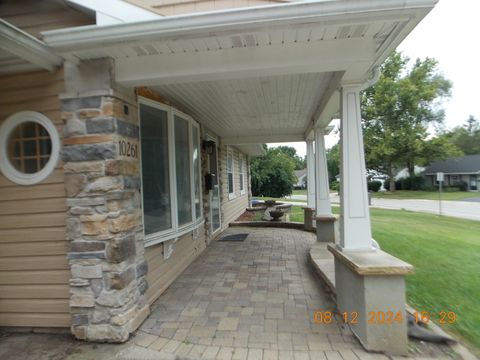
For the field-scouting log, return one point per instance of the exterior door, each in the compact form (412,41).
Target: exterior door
(473,182)
(214,195)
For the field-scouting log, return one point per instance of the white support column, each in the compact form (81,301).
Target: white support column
(323,206)
(355,231)
(310,175)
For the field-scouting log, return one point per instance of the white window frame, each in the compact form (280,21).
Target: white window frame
(241,173)
(6,167)
(231,195)
(175,231)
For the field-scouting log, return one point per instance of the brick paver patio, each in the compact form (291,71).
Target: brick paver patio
(250,300)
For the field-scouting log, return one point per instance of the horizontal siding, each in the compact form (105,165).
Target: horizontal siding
(34,271)
(162,272)
(232,209)
(165,7)
(34,16)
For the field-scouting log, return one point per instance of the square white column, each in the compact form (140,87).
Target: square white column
(310,175)
(355,231)
(322,189)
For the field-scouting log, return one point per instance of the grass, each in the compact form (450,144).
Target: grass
(299,192)
(426,195)
(446,254)
(296,213)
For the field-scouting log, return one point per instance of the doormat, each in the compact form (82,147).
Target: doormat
(234,237)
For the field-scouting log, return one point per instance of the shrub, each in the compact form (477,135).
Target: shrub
(335,185)
(374,185)
(463,186)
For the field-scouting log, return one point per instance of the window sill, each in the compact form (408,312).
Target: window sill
(231,196)
(154,239)
(242,192)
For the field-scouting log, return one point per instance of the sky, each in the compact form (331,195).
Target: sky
(450,33)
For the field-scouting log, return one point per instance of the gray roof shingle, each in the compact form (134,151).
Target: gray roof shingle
(465,164)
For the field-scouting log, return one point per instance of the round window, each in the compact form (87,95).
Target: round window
(31,144)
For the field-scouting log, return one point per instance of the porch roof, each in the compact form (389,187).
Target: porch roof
(259,74)
(20,51)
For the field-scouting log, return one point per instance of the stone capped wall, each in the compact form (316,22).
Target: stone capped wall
(101,153)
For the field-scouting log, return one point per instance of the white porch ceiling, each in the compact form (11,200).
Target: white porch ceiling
(252,106)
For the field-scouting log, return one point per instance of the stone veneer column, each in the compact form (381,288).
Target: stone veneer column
(101,155)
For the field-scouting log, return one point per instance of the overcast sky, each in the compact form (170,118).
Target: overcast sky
(451,34)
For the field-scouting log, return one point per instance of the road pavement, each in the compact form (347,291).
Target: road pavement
(461,209)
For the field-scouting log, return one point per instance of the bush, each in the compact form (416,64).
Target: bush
(335,185)
(374,185)
(415,182)
(463,186)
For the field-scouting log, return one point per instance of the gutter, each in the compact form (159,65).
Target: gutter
(232,19)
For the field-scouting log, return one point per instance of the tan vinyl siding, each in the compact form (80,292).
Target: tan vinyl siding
(34,16)
(231,208)
(162,272)
(175,7)
(34,271)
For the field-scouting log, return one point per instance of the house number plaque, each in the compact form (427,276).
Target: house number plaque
(128,148)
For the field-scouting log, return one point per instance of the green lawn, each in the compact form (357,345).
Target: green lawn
(299,192)
(446,255)
(427,195)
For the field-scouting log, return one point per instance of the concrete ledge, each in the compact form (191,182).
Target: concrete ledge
(323,263)
(375,262)
(270,224)
(326,218)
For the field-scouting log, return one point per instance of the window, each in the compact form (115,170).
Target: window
(196,172)
(171,188)
(32,145)
(231,190)
(182,163)
(241,173)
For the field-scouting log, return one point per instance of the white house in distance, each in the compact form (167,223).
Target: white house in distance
(125,146)
(301,176)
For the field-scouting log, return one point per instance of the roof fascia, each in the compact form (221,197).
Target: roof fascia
(270,15)
(27,47)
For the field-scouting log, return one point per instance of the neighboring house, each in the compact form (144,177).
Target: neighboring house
(456,170)
(125,141)
(301,176)
(403,173)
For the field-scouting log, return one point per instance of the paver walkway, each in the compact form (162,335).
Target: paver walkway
(253,297)
(250,300)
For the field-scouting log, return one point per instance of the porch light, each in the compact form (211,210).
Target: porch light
(209,147)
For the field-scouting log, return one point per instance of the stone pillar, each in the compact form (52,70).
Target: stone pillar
(308,218)
(310,175)
(101,154)
(355,232)
(325,221)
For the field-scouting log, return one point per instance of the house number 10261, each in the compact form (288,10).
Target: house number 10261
(128,149)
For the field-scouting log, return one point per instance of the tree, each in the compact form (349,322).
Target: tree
(466,137)
(273,174)
(397,112)
(333,162)
(290,151)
